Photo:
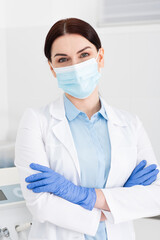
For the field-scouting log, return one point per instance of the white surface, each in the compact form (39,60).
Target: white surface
(147,229)
(9,176)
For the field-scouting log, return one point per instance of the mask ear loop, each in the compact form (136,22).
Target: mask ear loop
(52,66)
(96,59)
(97,55)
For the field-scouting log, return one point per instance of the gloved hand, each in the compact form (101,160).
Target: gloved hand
(141,175)
(53,182)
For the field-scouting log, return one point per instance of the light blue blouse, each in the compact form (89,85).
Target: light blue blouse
(93,147)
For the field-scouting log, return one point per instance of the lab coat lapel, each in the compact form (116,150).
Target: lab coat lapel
(114,121)
(62,130)
(113,170)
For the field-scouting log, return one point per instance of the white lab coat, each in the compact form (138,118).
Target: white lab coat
(44,137)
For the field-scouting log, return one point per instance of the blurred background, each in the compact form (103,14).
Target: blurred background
(130,34)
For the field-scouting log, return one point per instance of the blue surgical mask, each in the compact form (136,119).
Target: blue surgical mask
(79,80)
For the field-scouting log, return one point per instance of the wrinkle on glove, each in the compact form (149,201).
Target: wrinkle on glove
(53,182)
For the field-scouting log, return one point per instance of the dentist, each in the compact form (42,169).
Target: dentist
(81,161)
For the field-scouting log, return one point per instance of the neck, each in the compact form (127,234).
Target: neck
(89,105)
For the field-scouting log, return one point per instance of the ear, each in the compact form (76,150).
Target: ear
(51,68)
(101,58)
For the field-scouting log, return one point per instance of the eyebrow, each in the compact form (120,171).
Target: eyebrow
(63,54)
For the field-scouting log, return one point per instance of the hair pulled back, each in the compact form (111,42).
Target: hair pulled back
(70,26)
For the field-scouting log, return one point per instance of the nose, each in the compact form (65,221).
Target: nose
(75,60)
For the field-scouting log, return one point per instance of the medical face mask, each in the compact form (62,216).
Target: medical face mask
(79,80)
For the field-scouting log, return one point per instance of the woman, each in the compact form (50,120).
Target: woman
(81,161)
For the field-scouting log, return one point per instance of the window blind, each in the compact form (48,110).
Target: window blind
(128,11)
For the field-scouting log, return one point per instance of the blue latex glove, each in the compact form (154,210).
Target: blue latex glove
(141,175)
(53,182)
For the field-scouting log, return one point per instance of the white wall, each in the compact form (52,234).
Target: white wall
(29,80)
(4,124)
(132,72)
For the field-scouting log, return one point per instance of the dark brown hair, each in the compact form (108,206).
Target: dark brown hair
(70,25)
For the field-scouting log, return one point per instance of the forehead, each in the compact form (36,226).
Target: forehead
(71,43)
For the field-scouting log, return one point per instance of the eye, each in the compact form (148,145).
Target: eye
(84,55)
(62,60)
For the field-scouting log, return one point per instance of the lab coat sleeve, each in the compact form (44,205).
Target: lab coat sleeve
(29,148)
(129,203)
